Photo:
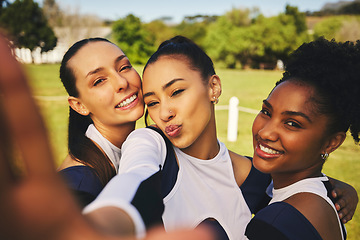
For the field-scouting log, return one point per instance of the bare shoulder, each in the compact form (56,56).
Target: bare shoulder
(68,162)
(318,211)
(241,165)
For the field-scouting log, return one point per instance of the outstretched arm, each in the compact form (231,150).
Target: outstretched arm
(36,204)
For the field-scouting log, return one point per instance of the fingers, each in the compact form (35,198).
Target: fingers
(22,115)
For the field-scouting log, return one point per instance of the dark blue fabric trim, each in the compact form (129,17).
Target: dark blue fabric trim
(170,169)
(218,231)
(281,217)
(149,202)
(254,189)
(83,182)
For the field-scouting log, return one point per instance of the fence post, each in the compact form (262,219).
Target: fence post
(233,119)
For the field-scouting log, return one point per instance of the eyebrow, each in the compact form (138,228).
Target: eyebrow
(291,113)
(167,85)
(118,59)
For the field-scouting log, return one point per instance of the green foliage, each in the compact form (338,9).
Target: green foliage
(133,38)
(341,28)
(159,31)
(236,39)
(25,22)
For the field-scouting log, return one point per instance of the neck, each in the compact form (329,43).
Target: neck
(285,179)
(116,134)
(206,145)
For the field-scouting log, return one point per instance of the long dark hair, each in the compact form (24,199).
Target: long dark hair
(80,147)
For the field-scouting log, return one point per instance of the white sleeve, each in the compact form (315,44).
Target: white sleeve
(142,154)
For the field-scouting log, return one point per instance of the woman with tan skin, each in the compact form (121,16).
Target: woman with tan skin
(105,101)
(201,181)
(294,135)
(37,205)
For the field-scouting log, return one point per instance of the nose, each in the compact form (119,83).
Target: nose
(268,131)
(119,82)
(166,112)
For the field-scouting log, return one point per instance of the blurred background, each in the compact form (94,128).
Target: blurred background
(247,40)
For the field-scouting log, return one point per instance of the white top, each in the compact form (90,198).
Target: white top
(112,151)
(310,185)
(204,188)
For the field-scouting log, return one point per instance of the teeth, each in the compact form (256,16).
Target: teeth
(127,101)
(268,150)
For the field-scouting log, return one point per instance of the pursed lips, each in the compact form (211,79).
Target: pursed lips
(173,130)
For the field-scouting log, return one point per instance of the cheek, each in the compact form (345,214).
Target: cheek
(134,79)
(257,125)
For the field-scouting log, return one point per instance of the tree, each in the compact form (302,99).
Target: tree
(25,22)
(133,38)
(226,38)
(52,12)
(342,28)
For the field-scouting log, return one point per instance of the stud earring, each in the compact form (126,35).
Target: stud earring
(216,100)
(324,156)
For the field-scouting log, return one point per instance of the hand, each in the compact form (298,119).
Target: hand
(36,205)
(347,199)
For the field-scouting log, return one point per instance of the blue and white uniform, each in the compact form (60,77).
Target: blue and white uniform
(194,191)
(82,180)
(280,220)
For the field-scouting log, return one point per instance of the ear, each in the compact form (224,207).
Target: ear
(77,106)
(215,88)
(334,142)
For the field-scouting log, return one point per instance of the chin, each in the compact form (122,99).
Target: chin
(259,165)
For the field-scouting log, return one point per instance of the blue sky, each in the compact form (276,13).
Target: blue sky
(148,10)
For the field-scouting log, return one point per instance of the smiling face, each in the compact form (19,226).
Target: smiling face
(179,102)
(288,135)
(109,87)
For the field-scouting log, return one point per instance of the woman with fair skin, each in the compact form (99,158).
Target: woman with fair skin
(105,101)
(201,181)
(37,205)
(294,135)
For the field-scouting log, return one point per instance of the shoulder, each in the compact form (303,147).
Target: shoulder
(317,210)
(143,135)
(241,165)
(80,177)
(69,162)
(280,220)
(143,147)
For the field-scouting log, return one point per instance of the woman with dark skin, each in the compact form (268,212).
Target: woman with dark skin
(295,133)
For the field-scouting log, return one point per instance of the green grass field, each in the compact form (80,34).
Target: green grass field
(251,87)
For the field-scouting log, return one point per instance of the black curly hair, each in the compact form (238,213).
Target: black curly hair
(333,70)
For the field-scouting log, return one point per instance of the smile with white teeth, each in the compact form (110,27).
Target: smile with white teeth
(127,101)
(268,150)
